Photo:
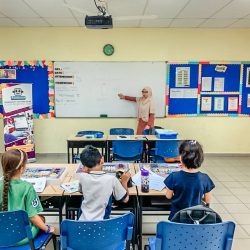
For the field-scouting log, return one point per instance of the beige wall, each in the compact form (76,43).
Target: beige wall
(218,135)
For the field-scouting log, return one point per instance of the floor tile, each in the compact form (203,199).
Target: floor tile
(241,244)
(243,219)
(236,208)
(228,199)
(247,229)
(232,184)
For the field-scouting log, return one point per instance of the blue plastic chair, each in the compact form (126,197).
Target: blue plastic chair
(172,236)
(125,150)
(121,131)
(14,227)
(97,235)
(98,134)
(165,149)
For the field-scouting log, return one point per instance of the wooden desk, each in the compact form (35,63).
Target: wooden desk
(52,190)
(74,142)
(72,177)
(141,197)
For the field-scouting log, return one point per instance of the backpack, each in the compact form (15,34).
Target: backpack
(197,215)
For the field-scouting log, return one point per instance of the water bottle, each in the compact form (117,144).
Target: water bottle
(144,180)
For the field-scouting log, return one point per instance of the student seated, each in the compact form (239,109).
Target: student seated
(98,187)
(188,187)
(17,194)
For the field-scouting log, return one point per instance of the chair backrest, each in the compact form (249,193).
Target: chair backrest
(167,148)
(126,148)
(97,235)
(121,131)
(174,236)
(14,227)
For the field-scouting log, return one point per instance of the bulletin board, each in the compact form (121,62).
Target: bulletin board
(182,85)
(39,73)
(222,89)
(245,89)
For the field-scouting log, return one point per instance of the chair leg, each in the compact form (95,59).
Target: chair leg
(55,242)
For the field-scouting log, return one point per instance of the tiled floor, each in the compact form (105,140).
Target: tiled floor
(231,197)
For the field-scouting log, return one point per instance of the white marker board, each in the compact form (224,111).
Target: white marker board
(90,89)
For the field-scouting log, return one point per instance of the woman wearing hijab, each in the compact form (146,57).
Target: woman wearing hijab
(146,109)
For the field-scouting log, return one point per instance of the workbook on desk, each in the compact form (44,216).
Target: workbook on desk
(71,187)
(156,182)
(39,184)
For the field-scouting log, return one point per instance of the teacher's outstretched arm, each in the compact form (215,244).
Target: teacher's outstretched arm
(127,98)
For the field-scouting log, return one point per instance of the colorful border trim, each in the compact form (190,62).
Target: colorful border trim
(51,93)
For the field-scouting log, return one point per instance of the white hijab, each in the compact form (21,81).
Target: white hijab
(146,106)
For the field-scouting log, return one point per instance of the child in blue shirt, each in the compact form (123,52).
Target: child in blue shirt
(188,187)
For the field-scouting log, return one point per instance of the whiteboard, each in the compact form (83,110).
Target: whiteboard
(90,89)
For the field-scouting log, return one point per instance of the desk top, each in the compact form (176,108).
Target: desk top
(71,177)
(76,138)
(151,191)
(51,189)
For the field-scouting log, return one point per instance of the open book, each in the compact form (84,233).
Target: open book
(38,183)
(71,187)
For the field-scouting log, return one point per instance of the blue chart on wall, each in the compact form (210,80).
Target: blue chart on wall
(38,77)
(183,91)
(220,88)
(245,105)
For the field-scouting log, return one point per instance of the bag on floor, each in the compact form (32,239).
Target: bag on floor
(197,215)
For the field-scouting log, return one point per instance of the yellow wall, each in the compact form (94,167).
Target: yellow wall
(218,135)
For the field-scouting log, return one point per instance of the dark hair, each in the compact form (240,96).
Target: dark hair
(191,153)
(12,161)
(90,156)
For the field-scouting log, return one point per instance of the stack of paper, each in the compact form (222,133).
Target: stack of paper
(156,182)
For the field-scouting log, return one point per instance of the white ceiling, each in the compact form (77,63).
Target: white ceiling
(170,13)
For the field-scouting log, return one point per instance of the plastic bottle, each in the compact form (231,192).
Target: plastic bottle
(144,180)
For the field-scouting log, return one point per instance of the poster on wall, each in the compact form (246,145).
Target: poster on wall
(18,118)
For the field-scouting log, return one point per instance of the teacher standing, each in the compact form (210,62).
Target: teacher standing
(146,109)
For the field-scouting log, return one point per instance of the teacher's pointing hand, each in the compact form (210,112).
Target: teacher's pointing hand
(121,96)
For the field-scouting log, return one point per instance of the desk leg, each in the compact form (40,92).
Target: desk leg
(60,210)
(139,223)
(68,152)
(108,146)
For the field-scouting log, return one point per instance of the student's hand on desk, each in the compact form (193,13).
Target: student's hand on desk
(125,177)
(121,96)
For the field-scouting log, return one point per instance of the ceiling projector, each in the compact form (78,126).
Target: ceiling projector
(99,22)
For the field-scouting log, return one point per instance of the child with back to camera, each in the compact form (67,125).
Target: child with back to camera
(17,194)
(98,187)
(189,187)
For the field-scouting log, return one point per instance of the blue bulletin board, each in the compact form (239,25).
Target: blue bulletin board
(220,88)
(40,75)
(183,93)
(245,90)
(223,89)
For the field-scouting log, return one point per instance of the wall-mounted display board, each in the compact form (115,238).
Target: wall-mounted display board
(39,73)
(208,89)
(90,89)
(182,84)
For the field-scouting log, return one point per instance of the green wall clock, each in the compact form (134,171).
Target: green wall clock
(108,49)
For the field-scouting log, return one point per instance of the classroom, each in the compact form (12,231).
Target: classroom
(183,32)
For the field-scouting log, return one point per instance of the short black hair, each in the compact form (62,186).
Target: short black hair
(191,153)
(90,156)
